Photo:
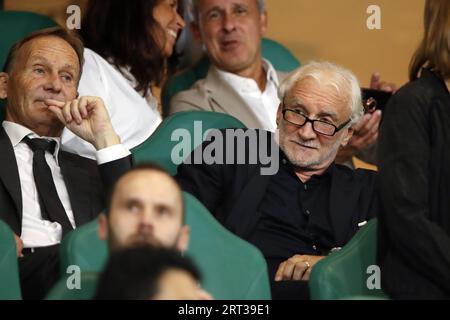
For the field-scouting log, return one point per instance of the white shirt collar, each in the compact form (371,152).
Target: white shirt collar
(17,132)
(246,84)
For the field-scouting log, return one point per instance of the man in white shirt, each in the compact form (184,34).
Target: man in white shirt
(46,192)
(240,82)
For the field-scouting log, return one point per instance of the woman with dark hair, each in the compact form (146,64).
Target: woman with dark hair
(129,46)
(414,156)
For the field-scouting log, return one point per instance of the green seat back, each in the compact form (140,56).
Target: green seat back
(82,247)
(344,274)
(280,57)
(159,147)
(231,268)
(86,291)
(15,25)
(9,269)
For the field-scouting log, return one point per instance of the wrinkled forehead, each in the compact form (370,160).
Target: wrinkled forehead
(50,49)
(321,90)
(203,5)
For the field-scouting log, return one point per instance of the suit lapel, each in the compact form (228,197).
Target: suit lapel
(225,99)
(342,212)
(245,214)
(9,173)
(78,183)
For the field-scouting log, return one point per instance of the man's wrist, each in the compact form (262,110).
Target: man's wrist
(107,140)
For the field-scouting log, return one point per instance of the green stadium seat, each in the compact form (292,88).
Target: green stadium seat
(88,285)
(343,275)
(158,148)
(83,248)
(9,269)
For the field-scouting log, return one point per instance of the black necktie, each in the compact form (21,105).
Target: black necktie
(51,206)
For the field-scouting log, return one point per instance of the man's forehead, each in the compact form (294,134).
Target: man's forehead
(47,49)
(332,97)
(312,86)
(208,4)
(148,182)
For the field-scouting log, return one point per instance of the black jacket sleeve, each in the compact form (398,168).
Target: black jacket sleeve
(204,181)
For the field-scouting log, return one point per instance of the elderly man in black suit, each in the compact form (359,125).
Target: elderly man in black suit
(44,191)
(310,206)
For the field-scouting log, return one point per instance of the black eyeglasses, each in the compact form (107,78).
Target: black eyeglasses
(319,126)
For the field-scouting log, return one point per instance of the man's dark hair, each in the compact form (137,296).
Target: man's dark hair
(144,167)
(134,273)
(71,38)
(126,34)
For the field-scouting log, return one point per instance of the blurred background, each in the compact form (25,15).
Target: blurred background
(320,29)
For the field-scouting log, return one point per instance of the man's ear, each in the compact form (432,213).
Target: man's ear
(195,30)
(347,138)
(279,115)
(102,229)
(4,78)
(264,20)
(183,239)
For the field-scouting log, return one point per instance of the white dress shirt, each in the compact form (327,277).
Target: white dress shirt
(133,116)
(37,232)
(265,103)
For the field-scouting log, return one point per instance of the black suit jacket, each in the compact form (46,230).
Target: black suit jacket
(233,192)
(84,179)
(414,223)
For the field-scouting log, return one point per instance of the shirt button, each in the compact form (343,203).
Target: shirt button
(305,186)
(308,212)
(283,161)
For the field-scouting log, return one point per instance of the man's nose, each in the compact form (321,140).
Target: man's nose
(147,217)
(228,22)
(53,83)
(306,132)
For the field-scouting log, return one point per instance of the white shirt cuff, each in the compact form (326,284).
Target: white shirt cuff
(112,153)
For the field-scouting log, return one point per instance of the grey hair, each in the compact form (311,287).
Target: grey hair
(193,10)
(339,77)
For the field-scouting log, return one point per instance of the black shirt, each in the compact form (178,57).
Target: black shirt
(295,217)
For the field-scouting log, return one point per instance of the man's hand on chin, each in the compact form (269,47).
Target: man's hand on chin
(88,118)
